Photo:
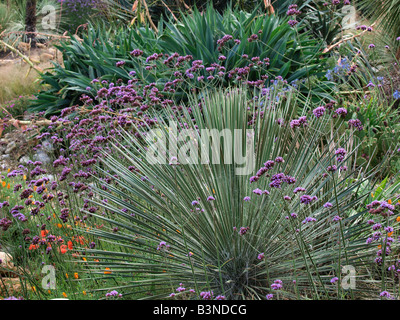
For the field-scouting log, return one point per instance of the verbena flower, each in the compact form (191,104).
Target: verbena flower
(278,284)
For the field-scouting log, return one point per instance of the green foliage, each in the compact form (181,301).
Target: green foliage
(5,17)
(387,12)
(293,56)
(13,33)
(382,130)
(206,251)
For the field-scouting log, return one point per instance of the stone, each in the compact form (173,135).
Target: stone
(44,57)
(50,177)
(47,146)
(24,160)
(11,147)
(23,46)
(7,267)
(10,287)
(42,157)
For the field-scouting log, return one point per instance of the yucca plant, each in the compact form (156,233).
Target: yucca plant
(387,12)
(214,228)
(5,17)
(17,24)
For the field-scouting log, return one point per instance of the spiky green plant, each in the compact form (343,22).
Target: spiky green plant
(165,230)
(291,55)
(5,17)
(387,12)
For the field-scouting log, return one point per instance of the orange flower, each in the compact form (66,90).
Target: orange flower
(32,247)
(63,249)
(66,275)
(8,186)
(398,219)
(107,272)
(80,240)
(390,234)
(44,233)
(390,201)
(84,293)
(64,294)
(76,276)
(84,259)
(70,245)
(59,225)
(3,183)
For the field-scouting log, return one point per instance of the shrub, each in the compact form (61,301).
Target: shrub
(286,53)
(295,223)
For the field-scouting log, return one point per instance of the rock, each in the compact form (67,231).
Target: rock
(42,157)
(24,160)
(50,177)
(23,46)
(10,287)
(47,146)
(7,267)
(11,147)
(44,57)
(5,157)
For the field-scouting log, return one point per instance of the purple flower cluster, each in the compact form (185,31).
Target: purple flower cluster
(302,121)
(293,11)
(307,199)
(277,285)
(163,246)
(319,111)
(113,293)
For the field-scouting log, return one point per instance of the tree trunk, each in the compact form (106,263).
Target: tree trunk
(30,22)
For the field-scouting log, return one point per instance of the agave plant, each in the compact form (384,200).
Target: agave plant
(270,213)
(290,55)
